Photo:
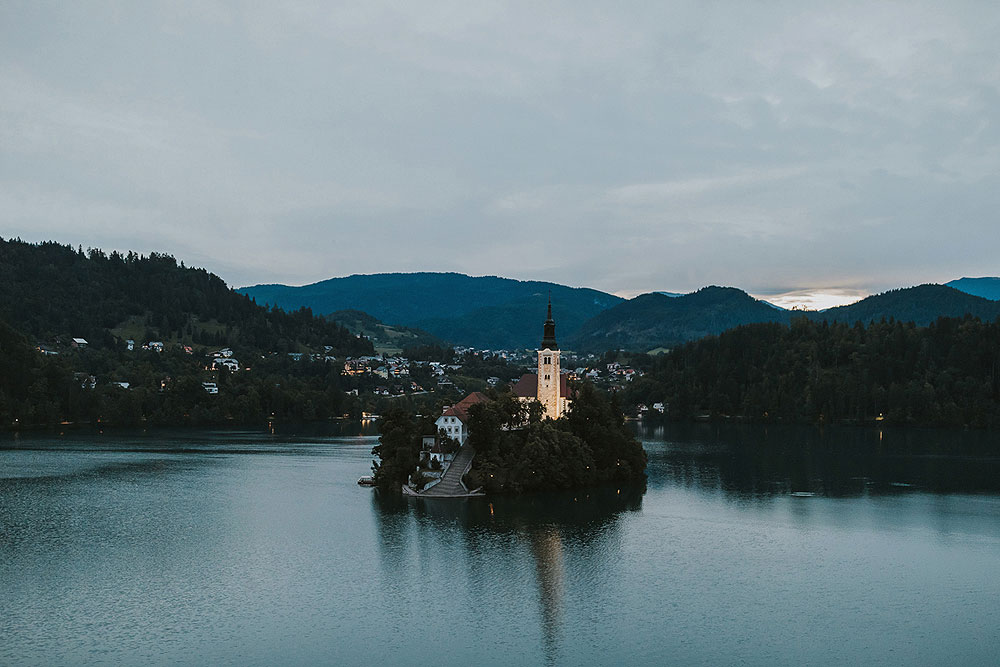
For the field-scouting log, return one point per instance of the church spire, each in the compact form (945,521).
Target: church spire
(549,330)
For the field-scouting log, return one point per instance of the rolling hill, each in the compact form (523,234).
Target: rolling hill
(491,312)
(50,291)
(386,338)
(654,320)
(484,312)
(921,305)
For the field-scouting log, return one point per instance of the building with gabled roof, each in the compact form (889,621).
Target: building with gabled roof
(454,420)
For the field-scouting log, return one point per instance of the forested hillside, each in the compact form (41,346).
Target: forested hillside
(161,388)
(654,320)
(50,291)
(484,311)
(946,374)
(386,338)
(921,305)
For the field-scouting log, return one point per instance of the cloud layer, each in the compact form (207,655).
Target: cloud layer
(776,147)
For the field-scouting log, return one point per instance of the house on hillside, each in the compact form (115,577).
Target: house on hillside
(229,363)
(79,342)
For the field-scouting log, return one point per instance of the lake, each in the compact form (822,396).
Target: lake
(749,545)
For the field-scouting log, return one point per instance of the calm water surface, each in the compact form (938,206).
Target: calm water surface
(244,548)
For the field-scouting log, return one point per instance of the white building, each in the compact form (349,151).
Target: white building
(229,363)
(454,421)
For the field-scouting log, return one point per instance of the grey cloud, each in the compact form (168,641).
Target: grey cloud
(659,146)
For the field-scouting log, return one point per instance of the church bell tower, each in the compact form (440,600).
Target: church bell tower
(548,369)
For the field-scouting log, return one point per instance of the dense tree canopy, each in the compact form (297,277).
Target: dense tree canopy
(164,388)
(944,374)
(517,451)
(398,450)
(50,291)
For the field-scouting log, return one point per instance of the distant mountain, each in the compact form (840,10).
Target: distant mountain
(485,312)
(987,288)
(654,320)
(921,305)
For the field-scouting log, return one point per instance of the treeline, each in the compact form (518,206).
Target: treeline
(52,292)
(944,374)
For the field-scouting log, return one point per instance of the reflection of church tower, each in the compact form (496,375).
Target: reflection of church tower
(549,390)
(547,548)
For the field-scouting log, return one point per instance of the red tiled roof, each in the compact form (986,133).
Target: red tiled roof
(461,409)
(527,386)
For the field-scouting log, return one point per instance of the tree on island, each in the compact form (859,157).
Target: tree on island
(517,451)
(398,448)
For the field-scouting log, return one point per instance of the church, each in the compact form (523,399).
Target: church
(548,386)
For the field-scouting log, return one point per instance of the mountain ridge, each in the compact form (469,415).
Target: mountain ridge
(653,320)
(986,287)
(479,311)
(496,312)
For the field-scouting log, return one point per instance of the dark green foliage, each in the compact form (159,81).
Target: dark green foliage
(477,366)
(54,293)
(600,425)
(398,448)
(396,336)
(921,305)
(517,451)
(653,320)
(165,389)
(442,353)
(51,291)
(945,374)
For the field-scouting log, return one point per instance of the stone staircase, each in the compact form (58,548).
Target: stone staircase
(451,485)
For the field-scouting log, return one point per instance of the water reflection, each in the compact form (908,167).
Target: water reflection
(757,462)
(550,542)
(547,549)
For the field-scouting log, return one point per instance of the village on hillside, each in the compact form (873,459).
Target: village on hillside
(375,376)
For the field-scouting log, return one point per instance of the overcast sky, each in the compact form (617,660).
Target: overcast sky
(627,147)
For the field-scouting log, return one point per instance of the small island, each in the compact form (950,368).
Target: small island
(542,434)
